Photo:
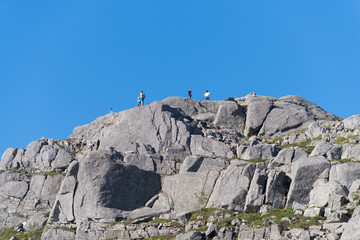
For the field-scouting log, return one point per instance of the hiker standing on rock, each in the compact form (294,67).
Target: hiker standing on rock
(189,93)
(141,98)
(207,95)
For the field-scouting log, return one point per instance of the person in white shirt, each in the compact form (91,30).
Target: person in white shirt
(207,95)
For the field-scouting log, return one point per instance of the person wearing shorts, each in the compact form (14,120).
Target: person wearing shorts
(141,98)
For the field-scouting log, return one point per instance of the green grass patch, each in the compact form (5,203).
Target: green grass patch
(33,173)
(160,220)
(304,145)
(109,124)
(205,213)
(318,138)
(340,139)
(276,216)
(176,224)
(7,233)
(203,228)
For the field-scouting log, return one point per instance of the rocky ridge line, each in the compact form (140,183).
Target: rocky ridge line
(169,158)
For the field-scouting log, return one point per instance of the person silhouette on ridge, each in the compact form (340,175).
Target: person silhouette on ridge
(141,98)
(207,95)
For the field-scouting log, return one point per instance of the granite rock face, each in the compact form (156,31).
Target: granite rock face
(169,158)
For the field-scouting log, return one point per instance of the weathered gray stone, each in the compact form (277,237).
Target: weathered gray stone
(141,161)
(275,232)
(277,188)
(193,235)
(209,147)
(156,124)
(257,112)
(232,186)
(345,173)
(323,190)
(297,233)
(256,193)
(63,209)
(352,122)
(260,150)
(305,172)
(336,216)
(17,189)
(62,159)
(8,159)
(230,115)
(292,113)
(315,129)
(328,150)
(194,108)
(255,234)
(57,234)
(36,222)
(313,212)
(354,192)
(352,152)
(201,164)
(284,117)
(296,138)
(112,188)
(186,195)
(351,229)
(183,217)
(212,231)
(288,155)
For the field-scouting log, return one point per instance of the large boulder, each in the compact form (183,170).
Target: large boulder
(288,155)
(186,195)
(352,122)
(256,193)
(284,117)
(257,111)
(260,150)
(63,209)
(232,186)
(323,190)
(196,163)
(305,172)
(352,152)
(292,113)
(277,188)
(11,159)
(328,150)
(157,125)
(196,109)
(230,115)
(209,147)
(106,187)
(345,173)
(351,229)
(43,155)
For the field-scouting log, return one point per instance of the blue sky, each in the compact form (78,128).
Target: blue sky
(64,63)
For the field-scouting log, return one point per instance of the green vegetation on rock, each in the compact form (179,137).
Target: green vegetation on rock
(7,233)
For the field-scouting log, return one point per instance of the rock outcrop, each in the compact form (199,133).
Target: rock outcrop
(155,170)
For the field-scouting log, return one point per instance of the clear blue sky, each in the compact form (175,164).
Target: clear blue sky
(64,63)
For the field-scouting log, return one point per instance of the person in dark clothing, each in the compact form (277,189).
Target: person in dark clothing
(189,93)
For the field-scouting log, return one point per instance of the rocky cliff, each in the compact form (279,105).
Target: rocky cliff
(254,167)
